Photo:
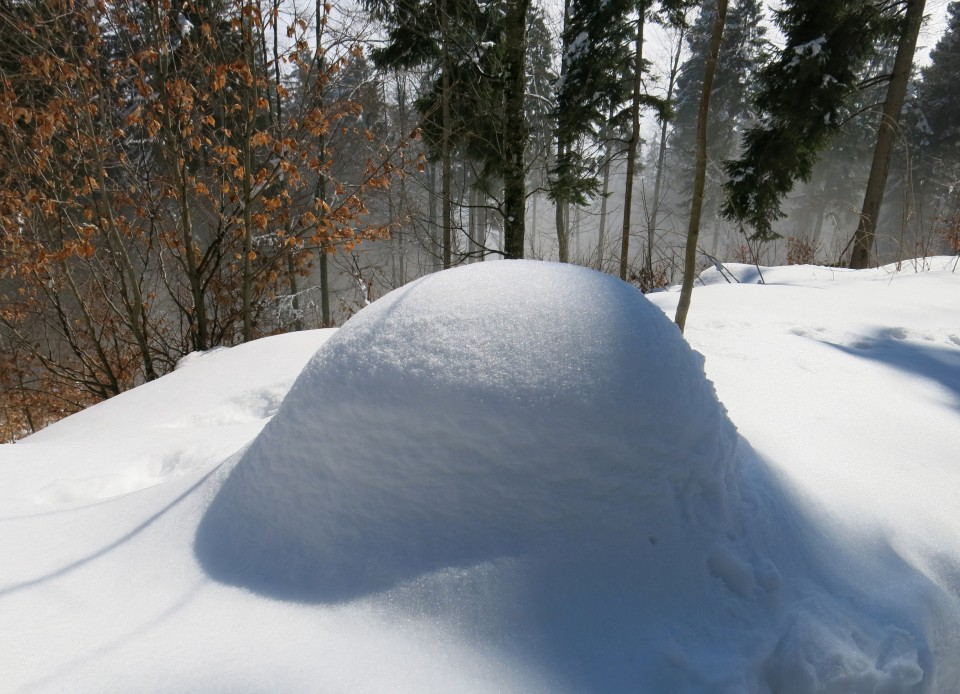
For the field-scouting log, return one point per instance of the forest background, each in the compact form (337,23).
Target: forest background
(176,177)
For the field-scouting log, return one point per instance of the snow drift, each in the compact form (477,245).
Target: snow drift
(531,454)
(514,478)
(495,411)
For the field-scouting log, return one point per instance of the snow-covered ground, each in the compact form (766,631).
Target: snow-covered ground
(514,477)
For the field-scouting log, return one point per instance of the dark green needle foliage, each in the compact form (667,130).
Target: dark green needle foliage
(800,102)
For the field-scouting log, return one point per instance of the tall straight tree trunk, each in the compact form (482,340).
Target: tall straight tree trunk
(863,239)
(473,245)
(604,195)
(433,226)
(401,82)
(277,128)
(561,206)
(248,254)
(198,320)
(484,221)
(251,104)
(634,143)
(321,191)
(533,226)
(294,291)
(604,199)
(700,169)
(445,144)
(562,218)
(515,137)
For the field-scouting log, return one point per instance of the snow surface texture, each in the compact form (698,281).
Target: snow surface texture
(568,450)
(491,412)
(550,498)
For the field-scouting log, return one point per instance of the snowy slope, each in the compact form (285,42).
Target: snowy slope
(848,382)
(426,513)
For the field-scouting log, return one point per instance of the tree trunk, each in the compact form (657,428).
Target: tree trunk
(321,190)
(700,170)
(445,145)
(198,320)
(533,226)
(251,97)
(562,218)
(292,285)
(325,290)
(484,221)
(433,224)
(634,141)
(472,207)
(294,293)
(604,199)
(515,137)
(401,242)
(865,235)
(248,254)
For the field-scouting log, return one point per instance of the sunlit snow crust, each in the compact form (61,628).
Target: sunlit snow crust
(531,450)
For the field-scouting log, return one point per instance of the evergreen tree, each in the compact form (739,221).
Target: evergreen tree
(592,84)
(801,95)
(481,53)
(730,108)
(939,91)
(938,130)
(539,103)
(601,84)
(888,128)
(835,188)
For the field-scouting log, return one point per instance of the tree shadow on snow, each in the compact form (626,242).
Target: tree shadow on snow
(111,546)
(937,363)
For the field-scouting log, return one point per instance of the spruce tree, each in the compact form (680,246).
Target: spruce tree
(938,131)
(730,109)
(479,52)
(801,95)
(939,91)
(863,238)
(834,191)
(594,69)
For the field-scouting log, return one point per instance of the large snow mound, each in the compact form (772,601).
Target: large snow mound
(531,454)
(822,556)
(500,410)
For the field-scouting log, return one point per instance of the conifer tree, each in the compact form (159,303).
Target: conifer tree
(863,239)
(939,91)
(730,109)
(602,67)
(480,52)
(592,84)
(801,94)
(938,134)
(835,188)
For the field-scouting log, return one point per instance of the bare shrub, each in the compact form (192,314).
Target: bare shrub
(799,251)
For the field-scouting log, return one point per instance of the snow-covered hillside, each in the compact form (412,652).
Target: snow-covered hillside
(514,477)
